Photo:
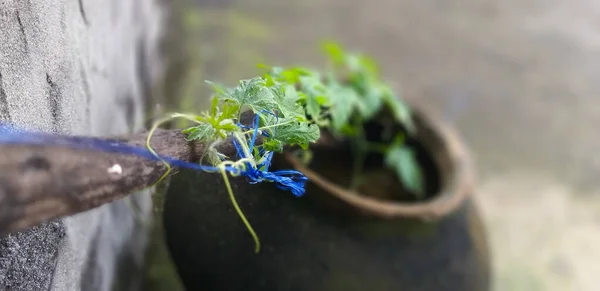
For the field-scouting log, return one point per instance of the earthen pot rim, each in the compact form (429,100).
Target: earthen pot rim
(457,183)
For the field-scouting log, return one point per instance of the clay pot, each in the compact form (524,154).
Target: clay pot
(332,239)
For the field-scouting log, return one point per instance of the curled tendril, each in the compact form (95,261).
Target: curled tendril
(246,165)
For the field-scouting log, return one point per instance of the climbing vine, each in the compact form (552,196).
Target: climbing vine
(289,107)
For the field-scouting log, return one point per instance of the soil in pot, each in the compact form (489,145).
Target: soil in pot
(331,240)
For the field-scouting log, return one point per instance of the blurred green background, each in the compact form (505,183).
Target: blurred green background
(517,78)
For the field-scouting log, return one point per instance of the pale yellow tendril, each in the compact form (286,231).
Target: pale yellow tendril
(151,132)
(240,166)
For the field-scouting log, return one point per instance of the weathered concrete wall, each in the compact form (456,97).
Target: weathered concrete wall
(78,67)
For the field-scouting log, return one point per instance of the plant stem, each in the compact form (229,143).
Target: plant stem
(359,147)
(376,147)
(357,167)
(239,211)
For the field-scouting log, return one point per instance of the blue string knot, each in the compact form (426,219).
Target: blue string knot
(289,180)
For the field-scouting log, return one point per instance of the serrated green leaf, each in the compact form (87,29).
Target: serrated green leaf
(214,107)
(400,110)
(316,95)
(312,84)
(289,131)
(364,76)
(201,132)
(269,80)
(370,96)
(273,145)
(371,103)
(404,162)
(252,93)
(313,108)
(287,99)
(311,96)
(228,125)
(343,102)
(229,109)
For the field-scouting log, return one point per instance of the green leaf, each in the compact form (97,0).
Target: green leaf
(335,52)
(343,102)
(371,96)
(315,93)
(313,108)
(201,132)
(214,107)
(273,145)
(228,126)
(403,160)
(252,93)
(364,76)
(230,110)
(293,75)
(311,94)
(269,80)
(287,99)
(289,76)
(364,65)
(275,72)
(352,63)
(372,102)
(400,110)
(289,131)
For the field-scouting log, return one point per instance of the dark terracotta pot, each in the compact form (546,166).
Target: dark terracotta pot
(331,239)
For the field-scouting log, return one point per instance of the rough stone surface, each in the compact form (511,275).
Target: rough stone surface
(78,67)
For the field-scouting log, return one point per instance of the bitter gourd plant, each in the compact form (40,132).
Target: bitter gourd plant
(289,107)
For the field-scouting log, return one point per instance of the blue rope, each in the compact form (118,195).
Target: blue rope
(290,180)
(11,135)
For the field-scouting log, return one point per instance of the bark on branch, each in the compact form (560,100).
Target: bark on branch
(40,183)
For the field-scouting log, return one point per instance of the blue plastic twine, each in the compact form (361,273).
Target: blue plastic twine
(289,180)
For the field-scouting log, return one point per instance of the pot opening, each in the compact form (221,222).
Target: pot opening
(376,180)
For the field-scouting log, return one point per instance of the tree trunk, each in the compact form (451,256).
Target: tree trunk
(78,67)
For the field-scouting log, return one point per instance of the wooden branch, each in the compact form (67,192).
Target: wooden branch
(40,183)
